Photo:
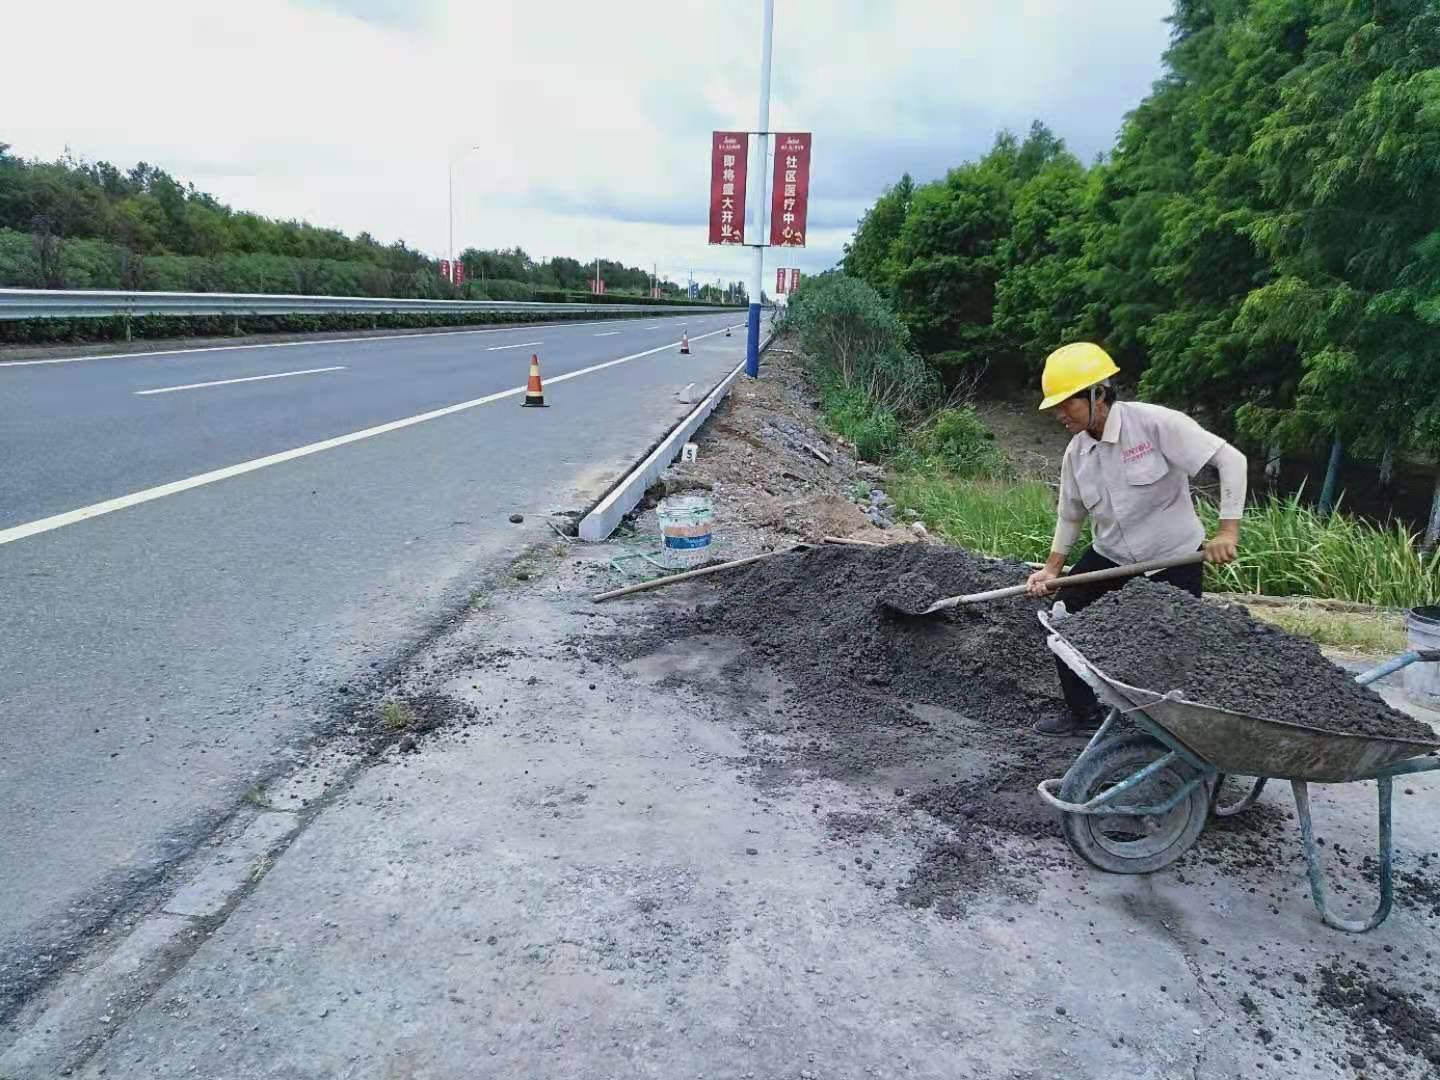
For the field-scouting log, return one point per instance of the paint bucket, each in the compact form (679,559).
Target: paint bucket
(1422,680)
(685,529)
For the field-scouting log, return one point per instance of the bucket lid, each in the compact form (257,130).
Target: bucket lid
(1430,613)
(683,504)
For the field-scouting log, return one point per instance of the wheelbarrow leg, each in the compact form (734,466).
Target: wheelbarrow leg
(1317,872)
(1244,804)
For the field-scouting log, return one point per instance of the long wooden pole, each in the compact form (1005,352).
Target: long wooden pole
(660,583)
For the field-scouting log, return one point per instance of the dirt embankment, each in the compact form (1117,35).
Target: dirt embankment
(913,735)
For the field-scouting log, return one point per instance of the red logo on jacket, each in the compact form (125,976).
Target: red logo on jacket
(1137,451)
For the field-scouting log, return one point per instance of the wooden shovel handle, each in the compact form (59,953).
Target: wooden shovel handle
(1108,574)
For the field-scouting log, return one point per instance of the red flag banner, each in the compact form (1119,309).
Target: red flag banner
(445,269)
(792,189)
(780,278)
(794,280)
(728,152)
(459,271)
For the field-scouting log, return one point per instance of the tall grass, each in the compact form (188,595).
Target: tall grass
(1286,548)
(989,516)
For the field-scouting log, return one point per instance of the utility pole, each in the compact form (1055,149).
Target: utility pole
(762,141)
(451,156)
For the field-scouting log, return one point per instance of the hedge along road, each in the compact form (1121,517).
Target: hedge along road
(260,544)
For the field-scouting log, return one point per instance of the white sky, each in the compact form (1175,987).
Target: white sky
(592,117)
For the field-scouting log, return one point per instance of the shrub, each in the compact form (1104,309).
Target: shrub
(957,440)
(874,430)
(852,338)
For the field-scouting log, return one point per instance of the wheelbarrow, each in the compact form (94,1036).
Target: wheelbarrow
(1134,802)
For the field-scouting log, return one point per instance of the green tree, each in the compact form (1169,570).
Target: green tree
(870,253)
(1351,162)
(1040,295)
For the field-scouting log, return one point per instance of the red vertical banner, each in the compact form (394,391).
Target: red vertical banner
(792,189)
(794,280)
(459,270)
(728,152)
(779,280)
(445,269)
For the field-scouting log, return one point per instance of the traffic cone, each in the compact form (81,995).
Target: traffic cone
(685,344)
(534,392)
(727,329)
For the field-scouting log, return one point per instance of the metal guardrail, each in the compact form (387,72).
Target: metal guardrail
(98,304)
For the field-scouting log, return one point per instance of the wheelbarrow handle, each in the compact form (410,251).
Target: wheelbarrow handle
(1394,664)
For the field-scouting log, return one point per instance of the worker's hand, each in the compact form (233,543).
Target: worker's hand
(1226,544)
(1038,583)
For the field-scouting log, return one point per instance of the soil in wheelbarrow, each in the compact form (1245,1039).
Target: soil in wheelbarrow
(1155,636)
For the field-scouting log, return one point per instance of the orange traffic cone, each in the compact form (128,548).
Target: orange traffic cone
(534,392)
(685,344)
(727,331)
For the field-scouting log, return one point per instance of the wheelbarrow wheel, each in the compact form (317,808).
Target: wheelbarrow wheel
(1122,843)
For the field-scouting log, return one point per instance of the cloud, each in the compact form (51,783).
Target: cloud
(405,15)
(592,121)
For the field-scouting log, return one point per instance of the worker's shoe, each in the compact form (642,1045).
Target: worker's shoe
(1066,722)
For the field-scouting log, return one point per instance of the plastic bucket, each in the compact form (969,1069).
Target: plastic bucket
(1422,681)
(685,529)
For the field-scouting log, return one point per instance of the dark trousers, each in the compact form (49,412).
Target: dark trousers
(1078,696)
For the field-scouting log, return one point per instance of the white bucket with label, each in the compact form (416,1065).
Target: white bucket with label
(1422,681)
(685,529)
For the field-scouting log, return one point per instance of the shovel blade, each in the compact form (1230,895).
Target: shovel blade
(900,607)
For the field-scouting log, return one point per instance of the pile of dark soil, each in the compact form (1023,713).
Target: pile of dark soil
(940,706)
(1380,1015)
(1155,636)
(820,617)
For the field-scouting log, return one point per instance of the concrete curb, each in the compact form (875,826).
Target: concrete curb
(600,522)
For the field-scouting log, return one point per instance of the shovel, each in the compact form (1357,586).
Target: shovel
(1110,574)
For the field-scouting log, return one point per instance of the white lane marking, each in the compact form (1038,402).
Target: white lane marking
(518,345)
(655,327)
(286,344)
(230,382)
(608,333)
(175,487)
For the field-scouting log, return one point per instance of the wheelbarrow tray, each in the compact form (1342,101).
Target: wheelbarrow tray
(1242,744)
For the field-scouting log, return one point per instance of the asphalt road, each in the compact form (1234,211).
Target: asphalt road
(164,654)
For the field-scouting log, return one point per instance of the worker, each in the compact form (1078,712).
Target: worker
(1127,468)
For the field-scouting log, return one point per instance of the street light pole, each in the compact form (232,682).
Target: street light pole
(752,342)
(451,164)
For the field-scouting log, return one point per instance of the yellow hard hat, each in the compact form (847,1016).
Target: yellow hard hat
(1072,368)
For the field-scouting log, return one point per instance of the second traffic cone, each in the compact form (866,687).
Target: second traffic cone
(685,344)
(534,392)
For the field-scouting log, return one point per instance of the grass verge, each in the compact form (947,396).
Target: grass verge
(1286,548)
(1368,634)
